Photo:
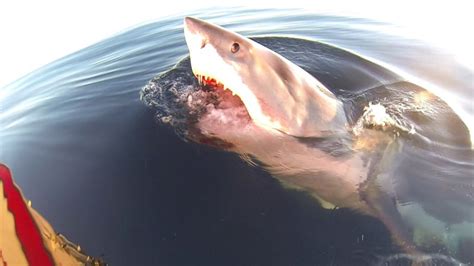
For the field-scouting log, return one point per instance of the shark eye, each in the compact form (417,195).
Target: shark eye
(235,48)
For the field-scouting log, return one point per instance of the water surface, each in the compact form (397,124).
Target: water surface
(89,155)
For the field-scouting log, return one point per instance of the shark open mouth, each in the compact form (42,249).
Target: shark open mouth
(223,100)
(217,110)
(226,97)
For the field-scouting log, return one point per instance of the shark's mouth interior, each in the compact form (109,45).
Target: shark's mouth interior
(226,97)
(218,112)
(221,102)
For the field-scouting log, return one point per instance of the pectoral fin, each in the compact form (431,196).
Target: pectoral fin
(384,207)
(378,194)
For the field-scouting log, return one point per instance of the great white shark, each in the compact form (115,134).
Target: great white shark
(272,111)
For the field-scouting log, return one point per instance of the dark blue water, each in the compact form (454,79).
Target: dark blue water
(93,161)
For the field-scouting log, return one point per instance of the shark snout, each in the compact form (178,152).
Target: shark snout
(190,24)
(193,32)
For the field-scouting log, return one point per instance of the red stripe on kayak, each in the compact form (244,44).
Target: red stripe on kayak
(26,229)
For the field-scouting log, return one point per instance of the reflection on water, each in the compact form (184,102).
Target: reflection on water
(86,151)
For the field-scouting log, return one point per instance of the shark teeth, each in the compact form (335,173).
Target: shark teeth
(208,81)
(214,85)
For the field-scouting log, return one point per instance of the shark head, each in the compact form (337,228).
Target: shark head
(277,94)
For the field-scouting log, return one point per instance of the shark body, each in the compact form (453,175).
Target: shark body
(260,105)
(286,120)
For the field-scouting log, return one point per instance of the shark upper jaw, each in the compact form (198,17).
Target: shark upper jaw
(211,82)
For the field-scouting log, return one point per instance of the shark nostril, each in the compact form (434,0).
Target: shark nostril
(203,43)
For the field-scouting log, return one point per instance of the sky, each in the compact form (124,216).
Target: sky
(34,33)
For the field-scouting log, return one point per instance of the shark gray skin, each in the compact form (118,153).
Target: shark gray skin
(271,111)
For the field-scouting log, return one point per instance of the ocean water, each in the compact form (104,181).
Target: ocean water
(94,162)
